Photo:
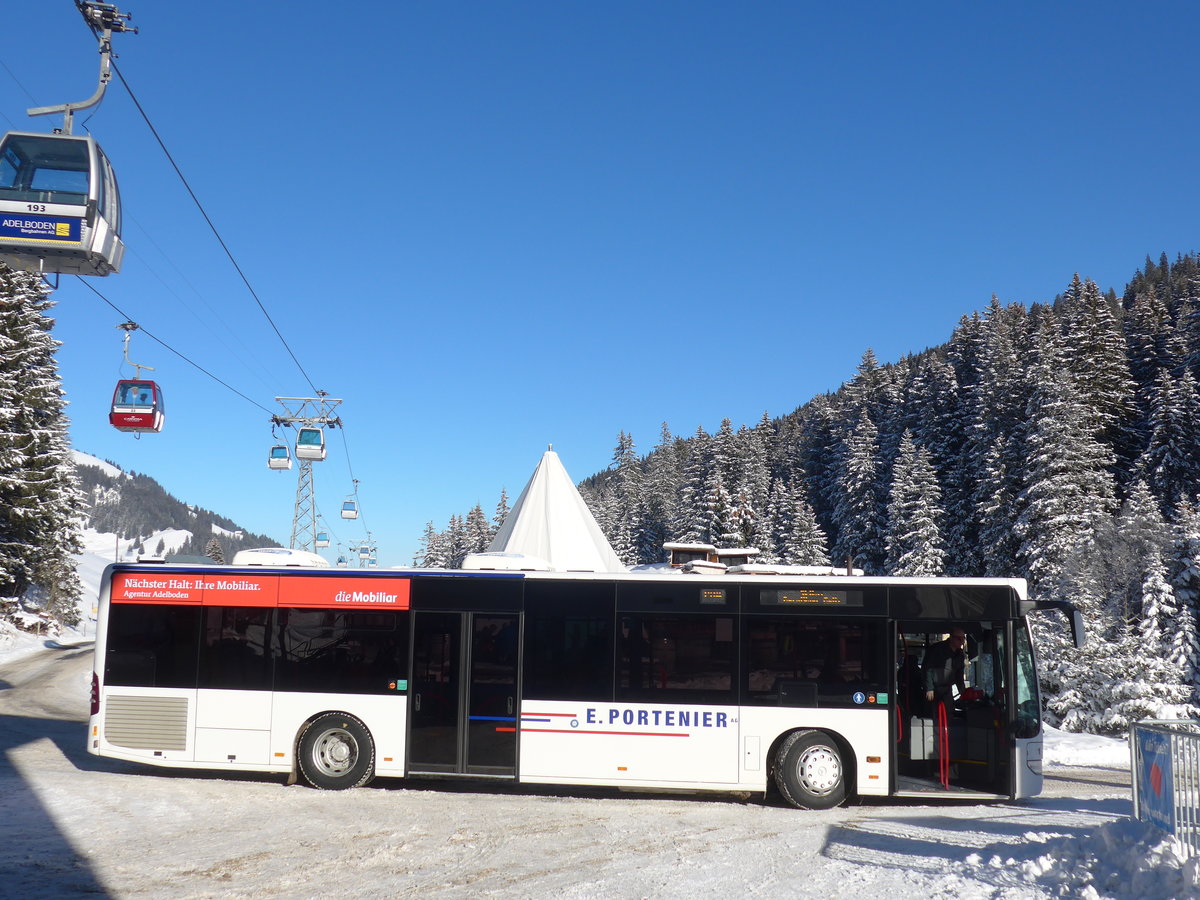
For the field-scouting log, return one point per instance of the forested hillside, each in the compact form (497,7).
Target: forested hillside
(133,506)
(1058,442)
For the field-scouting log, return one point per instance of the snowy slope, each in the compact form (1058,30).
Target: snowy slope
(99,549)
(86,459)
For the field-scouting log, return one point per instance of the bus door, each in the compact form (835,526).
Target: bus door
(958,742)
(463,694)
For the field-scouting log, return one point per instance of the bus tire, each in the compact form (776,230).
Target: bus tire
(336,752)
(809,770)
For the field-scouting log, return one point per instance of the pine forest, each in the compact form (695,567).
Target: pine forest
(1058,442)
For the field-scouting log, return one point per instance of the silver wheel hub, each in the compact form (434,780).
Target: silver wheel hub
(335,752)
(819,770)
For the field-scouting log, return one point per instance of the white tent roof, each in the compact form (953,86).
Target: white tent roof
(551,522)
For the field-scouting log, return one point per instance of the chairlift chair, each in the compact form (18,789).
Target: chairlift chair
(60,210)
(137,406)
(310,443)
(280,457)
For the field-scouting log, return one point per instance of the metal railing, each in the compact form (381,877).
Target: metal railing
(1165,758)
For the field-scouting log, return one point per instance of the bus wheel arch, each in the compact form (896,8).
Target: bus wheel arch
(813,769)
(335,751)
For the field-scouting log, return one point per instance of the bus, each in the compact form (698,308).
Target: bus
(746,682)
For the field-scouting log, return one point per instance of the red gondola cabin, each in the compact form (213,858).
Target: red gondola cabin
(137,406)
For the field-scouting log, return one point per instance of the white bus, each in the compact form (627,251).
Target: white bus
(664,681)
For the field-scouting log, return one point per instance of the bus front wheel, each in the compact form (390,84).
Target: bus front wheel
(336,752)
(809,770)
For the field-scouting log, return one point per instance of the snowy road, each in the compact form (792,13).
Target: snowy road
(73,825)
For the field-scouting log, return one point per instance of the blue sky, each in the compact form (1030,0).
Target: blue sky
(492,226)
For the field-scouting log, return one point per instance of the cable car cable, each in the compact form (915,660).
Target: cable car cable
(164,344)
(212,226)
(230,339)
(17,80)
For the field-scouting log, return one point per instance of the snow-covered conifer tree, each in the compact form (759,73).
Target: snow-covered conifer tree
(501,513)
(214,551)
(691,523)
(660,497)
(1068,489)
(859,513)
(433,551)
(624,512)
(455,538)
(40,501)
(914,536)
(478,531)
(1096,353)
(806,543)
(1170,462)
(1185,581)
(720,527)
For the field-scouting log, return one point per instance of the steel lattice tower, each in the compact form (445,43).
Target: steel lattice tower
(306,412)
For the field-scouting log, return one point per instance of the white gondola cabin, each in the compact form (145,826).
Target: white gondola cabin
(137,406)
(350,510)
(310,443)
(59,206)
(280,457)
(322,539)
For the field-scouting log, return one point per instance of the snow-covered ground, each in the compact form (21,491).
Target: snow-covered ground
(74,825)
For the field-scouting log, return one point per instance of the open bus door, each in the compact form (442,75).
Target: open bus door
(960,747)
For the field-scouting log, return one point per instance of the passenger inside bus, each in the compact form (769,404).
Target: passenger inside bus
(944,668)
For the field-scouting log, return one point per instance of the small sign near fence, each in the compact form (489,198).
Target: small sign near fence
(1155,793)
(1165,757)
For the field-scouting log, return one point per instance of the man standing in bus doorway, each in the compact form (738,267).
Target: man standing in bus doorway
(944,668)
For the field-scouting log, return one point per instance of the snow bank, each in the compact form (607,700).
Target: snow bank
(1120,860)
(1063,748)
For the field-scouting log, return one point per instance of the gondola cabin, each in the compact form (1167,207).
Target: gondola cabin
(310,444)
(59,206)
(137,406)
(322,539)
(350,510)
(280,457)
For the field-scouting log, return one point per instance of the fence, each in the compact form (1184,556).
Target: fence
(1165,755)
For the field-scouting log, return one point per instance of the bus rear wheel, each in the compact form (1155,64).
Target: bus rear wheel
(336,752)
(809,771)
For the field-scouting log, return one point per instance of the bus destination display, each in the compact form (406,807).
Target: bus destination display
(811,597)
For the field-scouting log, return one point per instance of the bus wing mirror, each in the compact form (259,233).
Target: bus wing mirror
(1073,614)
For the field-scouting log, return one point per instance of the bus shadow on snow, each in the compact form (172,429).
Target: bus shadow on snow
(37,858)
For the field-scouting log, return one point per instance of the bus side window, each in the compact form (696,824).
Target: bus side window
(234,650)
(152,646)
(677,657)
